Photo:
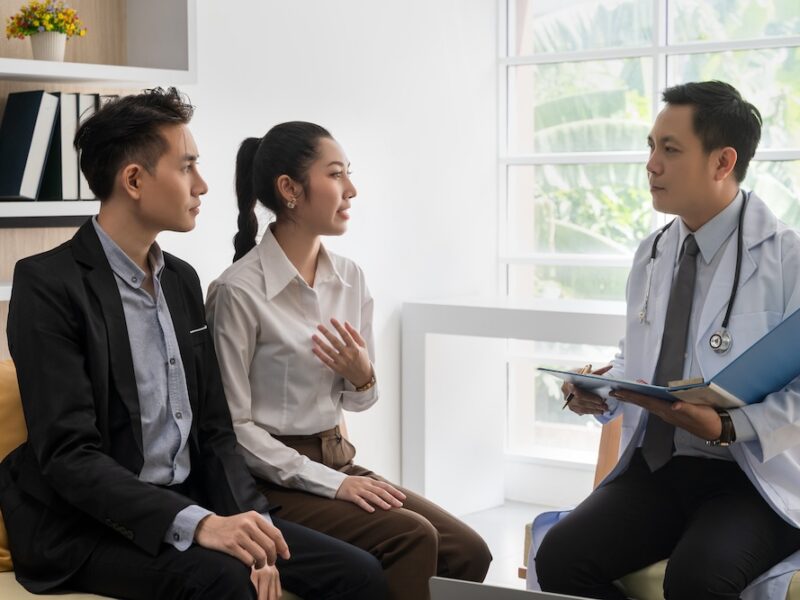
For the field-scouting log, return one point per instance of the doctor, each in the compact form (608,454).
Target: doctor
(717,492)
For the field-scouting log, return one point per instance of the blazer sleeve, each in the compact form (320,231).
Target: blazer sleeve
(46,330)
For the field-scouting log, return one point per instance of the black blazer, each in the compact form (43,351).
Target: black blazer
(76,476)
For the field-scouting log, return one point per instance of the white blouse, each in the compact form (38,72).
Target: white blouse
(262,315)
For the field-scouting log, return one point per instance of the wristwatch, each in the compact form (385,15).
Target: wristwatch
(728,434)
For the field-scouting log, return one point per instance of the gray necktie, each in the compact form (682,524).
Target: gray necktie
(658,436)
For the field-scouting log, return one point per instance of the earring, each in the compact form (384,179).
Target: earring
(291,203)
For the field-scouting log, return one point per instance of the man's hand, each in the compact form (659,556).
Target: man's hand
(702,421)
(267,582)
(584,402)
(365,491)
(246,536)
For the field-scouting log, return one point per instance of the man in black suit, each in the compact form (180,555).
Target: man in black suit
(130,484)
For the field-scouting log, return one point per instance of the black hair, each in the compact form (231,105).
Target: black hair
(721,118)
(127,130)
(286,149)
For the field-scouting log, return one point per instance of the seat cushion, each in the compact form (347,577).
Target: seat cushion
(5,555)
(12,421)
(645,584)
(10,589)
(12,434)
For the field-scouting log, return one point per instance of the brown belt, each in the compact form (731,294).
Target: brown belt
(328,447)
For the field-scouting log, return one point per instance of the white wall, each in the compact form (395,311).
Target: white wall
(409,90)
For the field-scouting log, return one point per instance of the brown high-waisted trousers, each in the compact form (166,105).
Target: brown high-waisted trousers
(413,543)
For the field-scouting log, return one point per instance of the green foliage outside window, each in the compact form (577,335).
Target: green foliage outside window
(606,106)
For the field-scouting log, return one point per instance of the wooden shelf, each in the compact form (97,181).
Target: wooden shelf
(41,70)
(129,42)
(46,214)
(65,208)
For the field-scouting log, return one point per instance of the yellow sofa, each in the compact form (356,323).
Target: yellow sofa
(12,433)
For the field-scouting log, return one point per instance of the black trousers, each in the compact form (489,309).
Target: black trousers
(703,514)
(320,567)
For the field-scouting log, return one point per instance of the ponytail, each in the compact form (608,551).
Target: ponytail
(286,149)
(245,238)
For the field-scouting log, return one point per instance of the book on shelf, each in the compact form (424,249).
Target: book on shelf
(25,136)
(765,367)
(105,99)
(87,105)
(61,170)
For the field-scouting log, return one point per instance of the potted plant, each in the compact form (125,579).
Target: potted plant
(49,24)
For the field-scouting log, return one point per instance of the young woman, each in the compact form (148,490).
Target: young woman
(292,325)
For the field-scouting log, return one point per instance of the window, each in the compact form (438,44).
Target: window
(580,86)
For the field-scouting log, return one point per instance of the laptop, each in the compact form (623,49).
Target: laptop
(452,589)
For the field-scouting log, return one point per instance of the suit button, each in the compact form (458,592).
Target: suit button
(172,361)
(179,415)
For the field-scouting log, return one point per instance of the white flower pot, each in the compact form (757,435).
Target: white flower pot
(49,45)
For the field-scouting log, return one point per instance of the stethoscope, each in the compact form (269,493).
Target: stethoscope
(721,340)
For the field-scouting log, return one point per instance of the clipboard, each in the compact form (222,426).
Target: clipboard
(767,366)
(690,390)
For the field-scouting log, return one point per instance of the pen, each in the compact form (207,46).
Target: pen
(571,395)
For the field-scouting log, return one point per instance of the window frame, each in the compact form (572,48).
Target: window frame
(659,52)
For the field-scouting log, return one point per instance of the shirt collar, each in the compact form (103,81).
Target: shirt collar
(713,234)
(122,265)
(279,270)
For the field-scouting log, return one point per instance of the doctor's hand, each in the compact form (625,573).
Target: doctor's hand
(584,402)
(700,420)
(267,582)
(345,354)
(366,491)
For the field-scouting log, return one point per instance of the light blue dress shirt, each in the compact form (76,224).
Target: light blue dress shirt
(166,414)
(712,239)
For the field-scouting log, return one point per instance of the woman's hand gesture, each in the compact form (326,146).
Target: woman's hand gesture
(345,354)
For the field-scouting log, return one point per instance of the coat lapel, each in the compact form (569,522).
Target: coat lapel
(101,282)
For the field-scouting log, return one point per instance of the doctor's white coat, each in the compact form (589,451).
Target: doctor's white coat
(769,291)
